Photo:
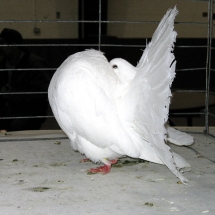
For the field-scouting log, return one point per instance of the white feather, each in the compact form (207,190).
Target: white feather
(109,110)
(178,137)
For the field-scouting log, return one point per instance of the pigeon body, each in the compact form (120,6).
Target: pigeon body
(113,109)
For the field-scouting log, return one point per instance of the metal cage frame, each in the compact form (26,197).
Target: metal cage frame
(99,45)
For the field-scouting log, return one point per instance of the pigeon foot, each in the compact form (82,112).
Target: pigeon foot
(103,169)
(85,160)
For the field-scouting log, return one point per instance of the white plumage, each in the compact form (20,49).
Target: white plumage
(112,109)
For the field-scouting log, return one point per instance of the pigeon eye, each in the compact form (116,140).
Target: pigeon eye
(115,66)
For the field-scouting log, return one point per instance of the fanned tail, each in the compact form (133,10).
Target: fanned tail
(150,93)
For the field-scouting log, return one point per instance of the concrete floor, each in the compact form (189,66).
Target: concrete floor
(43,175)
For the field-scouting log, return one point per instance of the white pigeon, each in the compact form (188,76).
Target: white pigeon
(113,109)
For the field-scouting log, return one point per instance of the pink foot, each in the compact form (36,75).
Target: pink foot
(85,160)
(103,169)
(114,161)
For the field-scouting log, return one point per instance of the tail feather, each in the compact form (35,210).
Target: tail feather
(150,92)
(178,137)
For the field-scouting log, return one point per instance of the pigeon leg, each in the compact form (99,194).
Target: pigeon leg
(114,161)
(103,169)
(85,160)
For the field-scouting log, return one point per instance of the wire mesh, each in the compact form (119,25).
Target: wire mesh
(100,45)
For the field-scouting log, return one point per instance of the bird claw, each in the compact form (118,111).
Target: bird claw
(103,169)
(85,160)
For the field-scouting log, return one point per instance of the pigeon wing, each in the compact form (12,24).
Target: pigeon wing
(148,95)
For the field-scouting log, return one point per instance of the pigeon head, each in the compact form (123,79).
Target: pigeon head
(123,69)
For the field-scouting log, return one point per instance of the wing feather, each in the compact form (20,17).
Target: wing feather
(151,88)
